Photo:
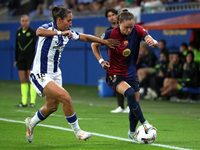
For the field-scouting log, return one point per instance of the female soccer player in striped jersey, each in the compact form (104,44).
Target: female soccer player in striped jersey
(121,68)
(45,74)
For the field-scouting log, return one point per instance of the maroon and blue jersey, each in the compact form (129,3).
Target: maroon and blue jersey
(123,59)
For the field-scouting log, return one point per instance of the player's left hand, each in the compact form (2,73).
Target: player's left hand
(152,42)
(112,43)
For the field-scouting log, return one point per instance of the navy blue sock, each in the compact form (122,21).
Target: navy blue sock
(40,115)
(133,121)
(133,104)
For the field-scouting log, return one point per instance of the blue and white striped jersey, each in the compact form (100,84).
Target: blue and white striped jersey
(48,50)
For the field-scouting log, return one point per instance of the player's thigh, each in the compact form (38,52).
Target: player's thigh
(133,82)
(117,83)
(122,87)
(53,90)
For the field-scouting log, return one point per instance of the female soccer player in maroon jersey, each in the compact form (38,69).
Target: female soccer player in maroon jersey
(121,68)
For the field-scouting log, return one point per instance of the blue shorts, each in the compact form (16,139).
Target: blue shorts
(114,80)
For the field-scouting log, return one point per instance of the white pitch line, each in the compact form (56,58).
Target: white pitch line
(61,116)
(97,134)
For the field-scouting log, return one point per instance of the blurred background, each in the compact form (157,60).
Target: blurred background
(175,21)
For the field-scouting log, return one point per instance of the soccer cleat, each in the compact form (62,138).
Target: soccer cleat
(31,105)
(132,135)
(127,110)
(82,135)
(117,110)
(29,133)
(146,122)
(20,105)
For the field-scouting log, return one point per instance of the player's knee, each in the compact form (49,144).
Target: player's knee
(130,93)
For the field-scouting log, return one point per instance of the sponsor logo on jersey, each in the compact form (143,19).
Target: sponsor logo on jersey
(28,34)
(126,52)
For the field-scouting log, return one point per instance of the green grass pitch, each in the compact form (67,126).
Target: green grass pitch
(177,123)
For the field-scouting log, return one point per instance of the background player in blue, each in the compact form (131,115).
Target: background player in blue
(121,68)
(45,73)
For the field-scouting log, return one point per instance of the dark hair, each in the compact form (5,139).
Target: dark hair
(110,10)
(59,12)
(184,45)
(191,52)
(166,55)
(163,41)
(193,45)
(124,15)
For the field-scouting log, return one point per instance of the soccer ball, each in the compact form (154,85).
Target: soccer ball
(146,134)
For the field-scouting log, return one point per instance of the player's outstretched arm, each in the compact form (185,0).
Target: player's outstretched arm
(150,41)
(111,43)
(45,32)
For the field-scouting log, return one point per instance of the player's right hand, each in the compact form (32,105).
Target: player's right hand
(105,65)
(112,43)
(67,33)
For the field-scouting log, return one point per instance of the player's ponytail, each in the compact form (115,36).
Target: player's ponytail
(59,12)
(124,15)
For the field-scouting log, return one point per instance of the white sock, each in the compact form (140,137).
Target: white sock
(35,120)
(74,125)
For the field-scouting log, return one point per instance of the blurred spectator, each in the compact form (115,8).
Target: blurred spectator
(189,76)
(146,61)
(71,4)
(154,80)
(39,10)
(34,4)
(84,1)
(2,3)
(147,58)
(184,48)
(193,47)
(81,7)
(13,6)
(174,72)
(162,46)
(153,5)
(137,3)
(126,3)
(94,6)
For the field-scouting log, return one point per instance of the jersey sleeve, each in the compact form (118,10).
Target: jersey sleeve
(106,35)
(46,26)
(76,35)
(141,32)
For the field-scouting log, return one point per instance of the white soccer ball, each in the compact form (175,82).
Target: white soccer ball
(146,134)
